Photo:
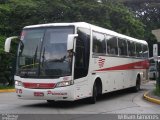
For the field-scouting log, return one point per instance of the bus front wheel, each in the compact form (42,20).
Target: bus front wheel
(50,101)
(93,98)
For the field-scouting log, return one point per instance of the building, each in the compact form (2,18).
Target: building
(157,34)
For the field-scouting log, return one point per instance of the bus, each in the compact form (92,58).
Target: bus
(72,61)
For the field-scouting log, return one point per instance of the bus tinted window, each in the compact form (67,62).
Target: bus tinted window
(99,45)
(82,53)
(131,48)
(138,50)
(145,51)
(112,45)
(122,47)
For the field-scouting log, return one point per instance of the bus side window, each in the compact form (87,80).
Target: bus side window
(131,48)
(145,51)
(99,44)
(112,48)
(82,53)
(79,55)
(138,50)
(122,47)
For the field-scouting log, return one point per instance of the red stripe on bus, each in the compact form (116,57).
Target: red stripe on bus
(130,66)
(39,85)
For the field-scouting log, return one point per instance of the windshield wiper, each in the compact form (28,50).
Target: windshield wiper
(43,57)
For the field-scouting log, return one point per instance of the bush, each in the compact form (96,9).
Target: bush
(2,39)
(157,90)
(5,71)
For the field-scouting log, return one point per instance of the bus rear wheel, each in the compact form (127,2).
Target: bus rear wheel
(138,84)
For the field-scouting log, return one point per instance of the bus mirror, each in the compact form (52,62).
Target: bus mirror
(70,41)
(8,43)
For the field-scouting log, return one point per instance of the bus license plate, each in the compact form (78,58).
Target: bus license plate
(38,94)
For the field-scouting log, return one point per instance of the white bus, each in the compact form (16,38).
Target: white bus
(71,61)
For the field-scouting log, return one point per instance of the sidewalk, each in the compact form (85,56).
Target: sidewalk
(7,90)
(151,97)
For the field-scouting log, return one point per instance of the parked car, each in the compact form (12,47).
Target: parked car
(152,72)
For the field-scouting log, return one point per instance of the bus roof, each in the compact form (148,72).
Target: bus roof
(89,26)
(78,24)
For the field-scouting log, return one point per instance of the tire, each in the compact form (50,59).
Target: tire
(138,85)
(93,98)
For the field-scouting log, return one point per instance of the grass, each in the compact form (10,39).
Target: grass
(157,90)
(6,87)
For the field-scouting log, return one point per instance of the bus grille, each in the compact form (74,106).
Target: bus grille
(39,85)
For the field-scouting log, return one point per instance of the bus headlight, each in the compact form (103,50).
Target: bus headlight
(18,83)
(64,83)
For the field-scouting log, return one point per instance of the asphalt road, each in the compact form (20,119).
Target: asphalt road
(121,102)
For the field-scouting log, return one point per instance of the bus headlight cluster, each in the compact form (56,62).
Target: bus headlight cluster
(18,83)
(64,83)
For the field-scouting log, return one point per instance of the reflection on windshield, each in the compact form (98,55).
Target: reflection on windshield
(44,53)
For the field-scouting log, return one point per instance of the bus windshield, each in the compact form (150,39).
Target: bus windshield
(43,53)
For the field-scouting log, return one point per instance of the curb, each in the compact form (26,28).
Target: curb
(154,100)
(7,90)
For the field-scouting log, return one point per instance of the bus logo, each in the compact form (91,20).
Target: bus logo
(38,85)
(101,62)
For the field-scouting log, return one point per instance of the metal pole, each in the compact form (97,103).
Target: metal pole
(158,79)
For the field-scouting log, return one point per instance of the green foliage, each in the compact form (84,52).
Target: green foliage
(108,14)
(5,71)
(2,40)
(6,87)
(157,90)
(148,12)
(123,21)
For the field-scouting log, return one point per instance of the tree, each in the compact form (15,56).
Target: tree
(108,14)
(2,38)
(148,12)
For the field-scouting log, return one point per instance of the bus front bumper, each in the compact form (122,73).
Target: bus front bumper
(56,94)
